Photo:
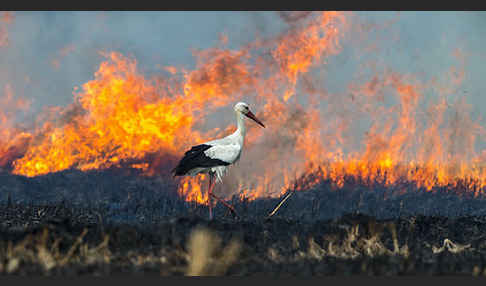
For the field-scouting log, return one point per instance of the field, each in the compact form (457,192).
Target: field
(110,222)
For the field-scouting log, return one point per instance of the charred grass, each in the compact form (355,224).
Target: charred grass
(76,223)
(191,245)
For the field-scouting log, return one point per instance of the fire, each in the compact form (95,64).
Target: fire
(191,189)
(297,51)
(123,118)
(117,116)
(13,139)
(387,158)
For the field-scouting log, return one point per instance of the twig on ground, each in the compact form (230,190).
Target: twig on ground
(280,204)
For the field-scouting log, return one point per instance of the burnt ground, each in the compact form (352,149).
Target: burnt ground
(116,221)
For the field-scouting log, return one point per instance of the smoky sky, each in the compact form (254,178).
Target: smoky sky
(49,53)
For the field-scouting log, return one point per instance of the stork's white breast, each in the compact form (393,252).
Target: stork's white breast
(228,153)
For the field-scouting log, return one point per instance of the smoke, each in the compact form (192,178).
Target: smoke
(6,18)
(389,79)
(291,17)
(49,53)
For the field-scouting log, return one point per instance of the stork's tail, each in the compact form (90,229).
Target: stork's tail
(177,171)
(174,172)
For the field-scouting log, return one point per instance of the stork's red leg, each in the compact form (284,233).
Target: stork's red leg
(230,207)
(210,195)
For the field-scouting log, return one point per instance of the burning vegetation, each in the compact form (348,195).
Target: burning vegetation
(385,176)
(384,129)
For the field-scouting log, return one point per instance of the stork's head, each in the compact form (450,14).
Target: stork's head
(245,110)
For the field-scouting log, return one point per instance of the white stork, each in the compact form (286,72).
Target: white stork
(215,157)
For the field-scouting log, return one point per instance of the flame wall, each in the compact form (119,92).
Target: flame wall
(381,97)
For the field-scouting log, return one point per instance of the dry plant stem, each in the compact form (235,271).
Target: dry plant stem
(280,204)
(70,253)
(210,192)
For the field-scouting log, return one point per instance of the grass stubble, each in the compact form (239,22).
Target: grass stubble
(206,253)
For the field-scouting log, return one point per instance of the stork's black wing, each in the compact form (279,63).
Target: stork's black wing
(195,158)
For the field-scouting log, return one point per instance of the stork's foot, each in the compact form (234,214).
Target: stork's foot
(230,207)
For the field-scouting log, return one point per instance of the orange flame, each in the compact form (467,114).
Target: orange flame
(13,140)
(121,118)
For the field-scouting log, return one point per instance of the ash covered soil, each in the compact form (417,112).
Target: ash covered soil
(116,221)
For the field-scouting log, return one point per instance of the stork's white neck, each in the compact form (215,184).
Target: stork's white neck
(241,130)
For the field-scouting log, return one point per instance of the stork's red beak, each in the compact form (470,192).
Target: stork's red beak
(252,116)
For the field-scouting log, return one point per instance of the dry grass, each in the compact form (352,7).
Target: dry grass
(451,247)
(354,245)
(205,253)
(37,250)
(206,257)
